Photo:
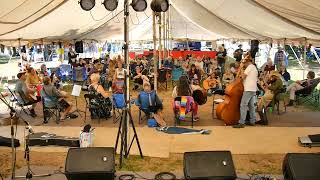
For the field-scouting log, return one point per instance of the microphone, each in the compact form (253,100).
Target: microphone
(28,126)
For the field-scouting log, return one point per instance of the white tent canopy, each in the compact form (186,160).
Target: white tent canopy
(59,20)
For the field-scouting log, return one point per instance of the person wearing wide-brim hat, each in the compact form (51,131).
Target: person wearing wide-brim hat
(271,89)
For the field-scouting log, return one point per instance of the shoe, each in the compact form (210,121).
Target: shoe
(196,119)
(250,124)
(45,121)
(290,103)
(238,126)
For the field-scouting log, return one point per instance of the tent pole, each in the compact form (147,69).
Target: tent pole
(164,29)
(155,58)
(160,44)
(304,58)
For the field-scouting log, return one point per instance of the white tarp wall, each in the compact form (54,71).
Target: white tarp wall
(56,20)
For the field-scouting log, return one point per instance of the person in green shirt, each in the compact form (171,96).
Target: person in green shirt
(271,89)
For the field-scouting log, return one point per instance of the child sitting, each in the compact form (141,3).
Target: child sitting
(227,77)
(214,81)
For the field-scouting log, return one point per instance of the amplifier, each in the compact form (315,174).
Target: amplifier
(213,165)
(46,139)
(301,166)
(96,163)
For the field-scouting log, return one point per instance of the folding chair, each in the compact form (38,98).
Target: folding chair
(50,111)
(118,103)
(146,102)
(15,102)
(79,76)
(176,74)
(162,78)
(307,95)
(88,98)
(183,105)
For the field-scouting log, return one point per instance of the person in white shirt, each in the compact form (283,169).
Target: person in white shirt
(250,79)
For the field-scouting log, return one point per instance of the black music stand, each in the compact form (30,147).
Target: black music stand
(76,90)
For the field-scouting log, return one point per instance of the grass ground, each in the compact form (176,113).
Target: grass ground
(245,164)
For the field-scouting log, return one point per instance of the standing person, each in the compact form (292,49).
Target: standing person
(72,57)
(221,58)
(280,59)
(250,79)
(238,53)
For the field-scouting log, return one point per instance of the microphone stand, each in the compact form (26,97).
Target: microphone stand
(29,174)
(13,151)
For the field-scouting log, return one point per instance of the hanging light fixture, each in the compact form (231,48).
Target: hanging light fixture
(110,5)
(87,5)
(160,5)
(139,5)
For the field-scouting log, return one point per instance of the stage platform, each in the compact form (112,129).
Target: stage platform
(250,140)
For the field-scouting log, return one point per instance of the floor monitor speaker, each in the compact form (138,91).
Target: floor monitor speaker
(96,163)
(215,165)
(301,166)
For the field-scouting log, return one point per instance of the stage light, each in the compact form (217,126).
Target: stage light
(87,5)
(139,5)
(160,5)
(110,5)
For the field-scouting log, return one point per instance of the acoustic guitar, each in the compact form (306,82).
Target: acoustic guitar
(208,84)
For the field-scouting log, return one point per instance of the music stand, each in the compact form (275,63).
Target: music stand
(76,91)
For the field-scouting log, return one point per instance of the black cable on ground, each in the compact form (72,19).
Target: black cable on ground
(127,177)
(165,176)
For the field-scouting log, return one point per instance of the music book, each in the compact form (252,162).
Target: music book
(76,90)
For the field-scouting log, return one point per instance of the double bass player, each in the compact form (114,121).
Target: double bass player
(249,79)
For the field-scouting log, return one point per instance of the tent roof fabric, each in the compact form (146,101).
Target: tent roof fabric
(58,20)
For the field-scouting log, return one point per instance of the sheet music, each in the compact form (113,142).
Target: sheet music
(76,90)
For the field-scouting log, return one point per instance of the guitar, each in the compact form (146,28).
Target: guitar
(208,84)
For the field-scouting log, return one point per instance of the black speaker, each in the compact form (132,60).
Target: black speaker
(254,48)
(96,163)
(79,46)
(213,165)
(301,166)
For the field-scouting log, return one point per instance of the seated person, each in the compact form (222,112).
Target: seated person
(214,81)
(227,77)
(285,74)
(119,76)
(25,95)
(150,102)
(32,77)
(102,98)
(168,63)
(44,70)
(199,64)
(268,66)
(139,78)
(271,89)
(185,89)
(194,75)
(53,97)
(300,85)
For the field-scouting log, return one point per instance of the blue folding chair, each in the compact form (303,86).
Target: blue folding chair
(147,103)
(176,74)
(118,104)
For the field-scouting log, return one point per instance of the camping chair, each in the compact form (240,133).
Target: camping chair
(23,105)
(176,74)
(118,103)
(162,78)
(88,98)
(49,112)
(183,105)
(146,102)
(79,76)
(307,94)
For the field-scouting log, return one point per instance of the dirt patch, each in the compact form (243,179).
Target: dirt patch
(251,163)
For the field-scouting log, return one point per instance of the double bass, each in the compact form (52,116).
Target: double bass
(229,109)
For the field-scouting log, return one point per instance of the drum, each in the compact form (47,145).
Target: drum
(200,96)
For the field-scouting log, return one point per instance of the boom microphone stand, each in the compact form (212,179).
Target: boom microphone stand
(29,174)
(13,150)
